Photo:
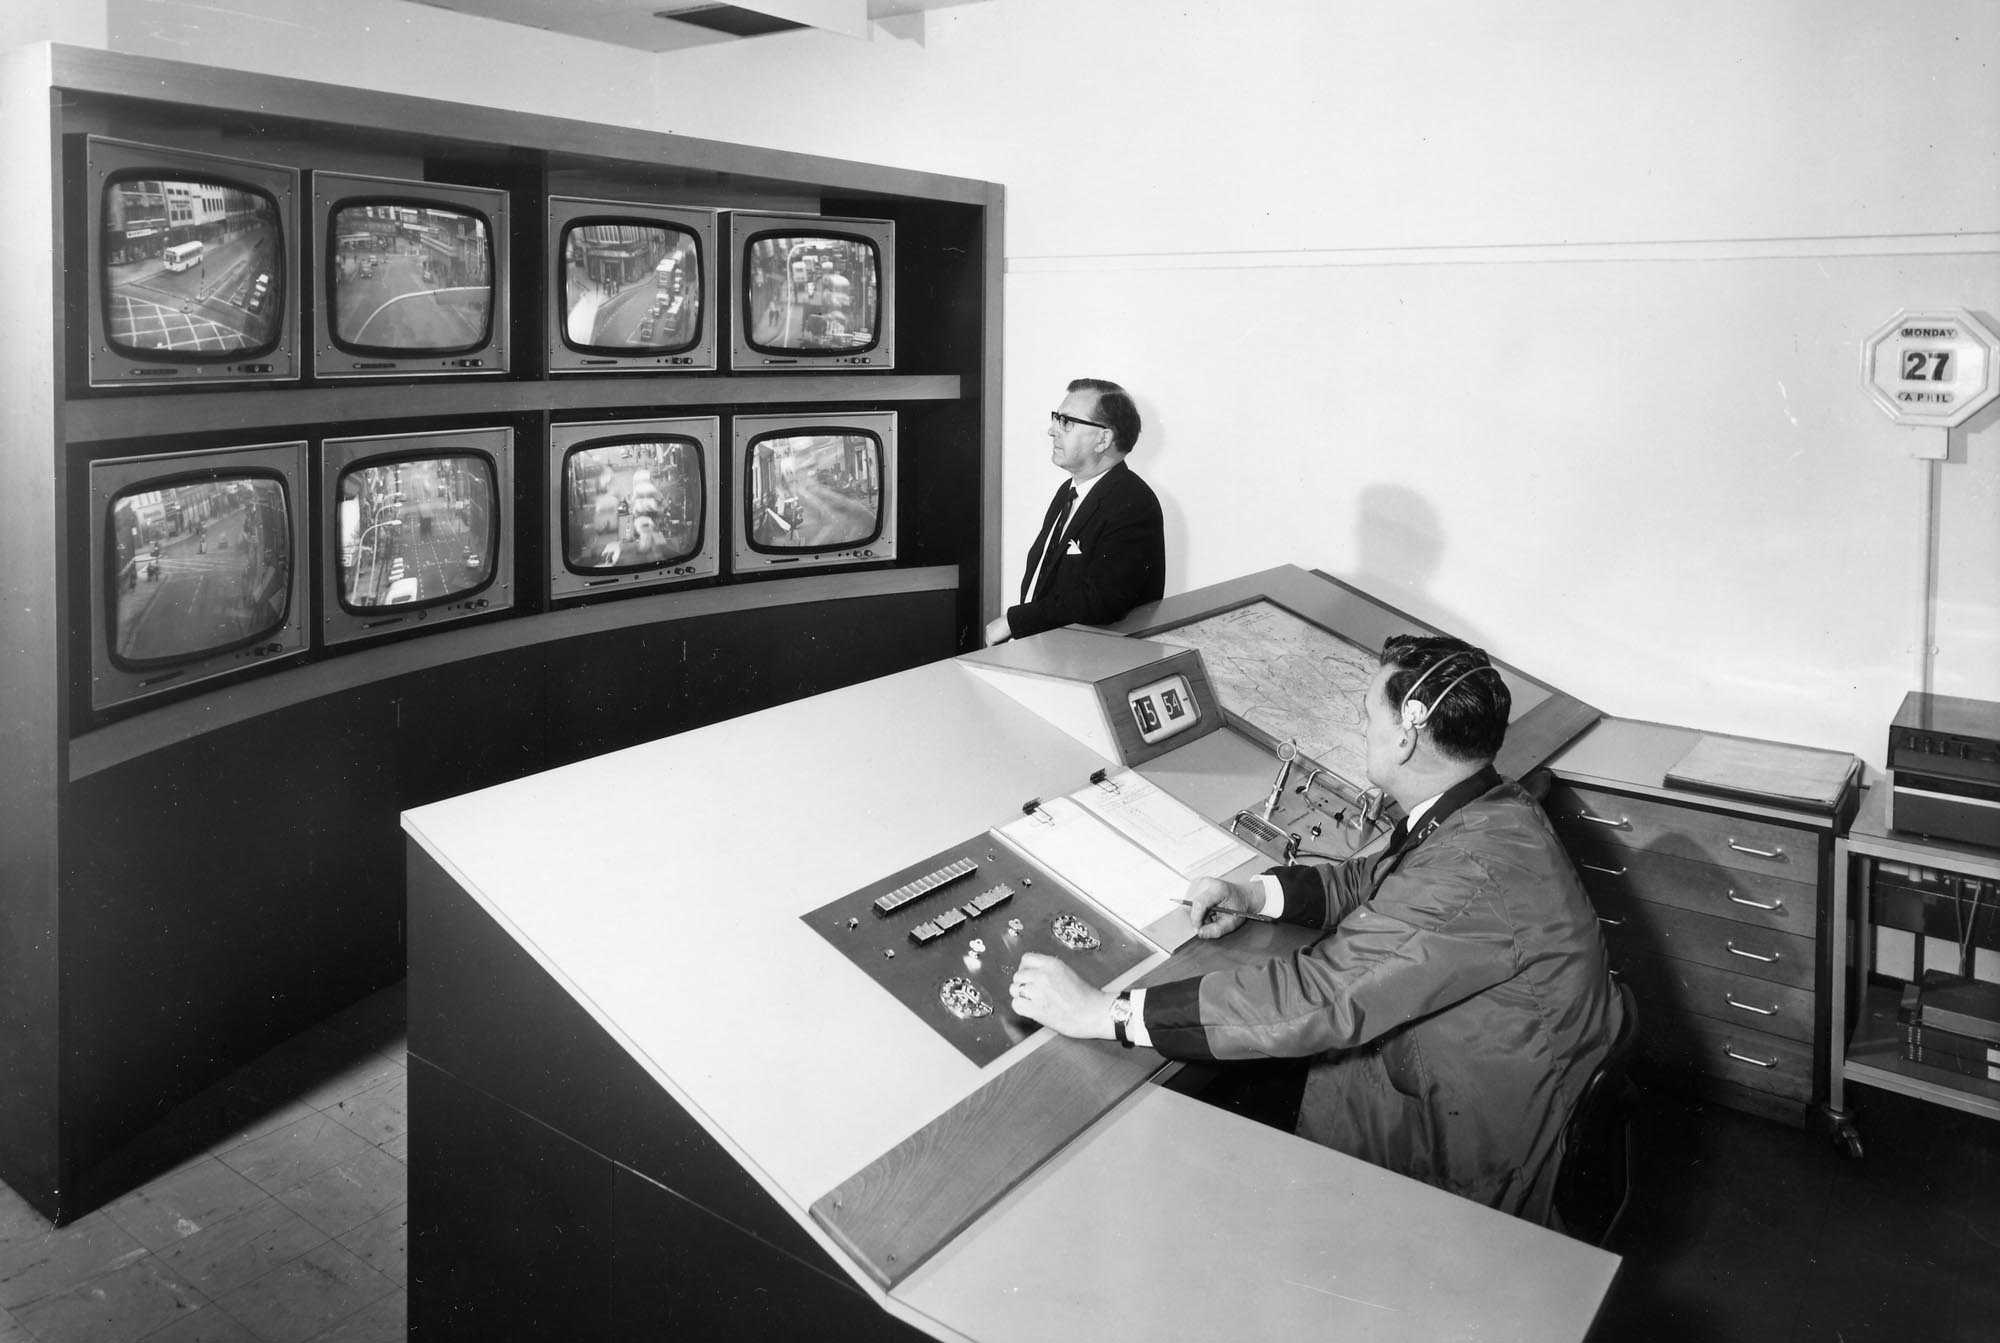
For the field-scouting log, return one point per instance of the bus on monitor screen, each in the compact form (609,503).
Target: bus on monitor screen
(632,287)
(192,272)
(812,291)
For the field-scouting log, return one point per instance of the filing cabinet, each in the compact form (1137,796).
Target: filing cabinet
(1714,910)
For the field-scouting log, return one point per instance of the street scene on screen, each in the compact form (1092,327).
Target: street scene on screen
(198,567)
(191,265)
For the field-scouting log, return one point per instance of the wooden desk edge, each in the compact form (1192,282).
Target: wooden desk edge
(901,1208)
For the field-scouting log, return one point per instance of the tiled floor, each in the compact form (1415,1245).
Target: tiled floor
(290,1227)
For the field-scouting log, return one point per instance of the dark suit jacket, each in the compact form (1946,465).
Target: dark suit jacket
(1118,560)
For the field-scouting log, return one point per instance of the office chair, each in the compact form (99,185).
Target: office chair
(1594,1177)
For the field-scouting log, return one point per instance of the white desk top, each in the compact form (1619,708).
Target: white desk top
(663,886)
(1171,1219)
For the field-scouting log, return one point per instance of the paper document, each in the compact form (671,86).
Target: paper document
(1164,826)
(1098,861)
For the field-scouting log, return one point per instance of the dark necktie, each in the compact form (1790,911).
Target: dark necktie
(1392,853)
(1400,833)
(1052,529)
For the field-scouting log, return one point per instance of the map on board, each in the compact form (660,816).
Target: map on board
(1289,678)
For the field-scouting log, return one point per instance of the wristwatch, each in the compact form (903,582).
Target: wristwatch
(1121,1017)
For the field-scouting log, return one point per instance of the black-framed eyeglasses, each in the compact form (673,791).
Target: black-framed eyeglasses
(1062,421)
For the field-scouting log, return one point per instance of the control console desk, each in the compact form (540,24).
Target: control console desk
(650,1098)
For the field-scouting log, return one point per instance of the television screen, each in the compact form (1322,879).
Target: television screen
(815,291)
(632,504)
(632,287)
(196,566)
(816,489)
(413,278)
(192,278)
(415,529)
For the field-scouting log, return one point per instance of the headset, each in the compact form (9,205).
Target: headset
(1415,713)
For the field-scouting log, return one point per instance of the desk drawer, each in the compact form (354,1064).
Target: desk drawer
(1758,898)
(1750,1058)
(1677,831)
(1734,1001)
(1636,929)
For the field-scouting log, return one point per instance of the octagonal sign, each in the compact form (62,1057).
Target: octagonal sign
(1935,367)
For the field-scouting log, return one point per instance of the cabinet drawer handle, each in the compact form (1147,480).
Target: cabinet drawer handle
(1745,1058)
(1753,904)
(1610,923)
(1735,950)
(1620,824)
(1757,853)
(1730,998)
(1607,871)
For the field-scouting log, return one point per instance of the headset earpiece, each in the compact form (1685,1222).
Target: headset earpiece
(1415,712)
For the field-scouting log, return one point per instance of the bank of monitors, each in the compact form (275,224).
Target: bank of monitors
(811,292)
(197,567)
(410,280)
(632,287)
(191,267)
(813,490)
(633,504)
(416,530)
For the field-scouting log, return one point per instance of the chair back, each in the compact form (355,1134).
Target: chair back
(1594,1174)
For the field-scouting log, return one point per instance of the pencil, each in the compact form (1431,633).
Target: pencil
(1221,909)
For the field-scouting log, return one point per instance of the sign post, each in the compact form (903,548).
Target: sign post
(1933,369)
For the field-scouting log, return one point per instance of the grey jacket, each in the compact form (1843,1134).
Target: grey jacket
(1452,1014)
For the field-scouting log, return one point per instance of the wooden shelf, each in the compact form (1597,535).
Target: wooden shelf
(210,96)
(130,738)
(105,418)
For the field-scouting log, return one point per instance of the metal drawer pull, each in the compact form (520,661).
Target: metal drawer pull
(1757,853)
(1607,871)
(1754,904)
(1745,1058)
(1620,824)
(1610,923)
(1735,950)
(1730,998)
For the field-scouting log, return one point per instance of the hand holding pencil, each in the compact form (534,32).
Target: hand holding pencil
(1218,907)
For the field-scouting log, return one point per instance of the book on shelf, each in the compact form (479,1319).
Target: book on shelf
(1944,1042)
(1950,1065)
(1961,1006)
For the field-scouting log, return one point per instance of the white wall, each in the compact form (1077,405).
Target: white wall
(1539,318)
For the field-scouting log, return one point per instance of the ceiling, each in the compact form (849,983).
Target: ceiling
(651,25)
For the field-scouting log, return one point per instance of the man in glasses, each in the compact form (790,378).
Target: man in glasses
(1102,548)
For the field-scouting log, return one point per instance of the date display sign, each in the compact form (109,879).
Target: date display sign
(1934,368)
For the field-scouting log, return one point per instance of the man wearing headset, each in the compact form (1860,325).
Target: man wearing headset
(1102,549)
(1460,998)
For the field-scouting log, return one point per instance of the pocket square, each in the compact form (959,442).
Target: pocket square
(1073,548)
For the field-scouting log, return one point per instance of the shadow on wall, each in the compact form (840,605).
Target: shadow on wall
(1399,545)
(1155,446)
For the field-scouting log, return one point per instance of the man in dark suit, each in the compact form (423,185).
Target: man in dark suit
(1102,548)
